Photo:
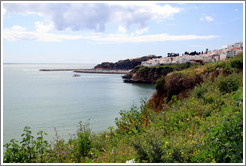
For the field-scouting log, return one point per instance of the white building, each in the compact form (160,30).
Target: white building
(234,49)
(222,57)
(209,56)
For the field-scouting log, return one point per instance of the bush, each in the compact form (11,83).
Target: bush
(166,70)
(29,151)
(84,142)
(228,68)
(228,84)
(200,91)
(134,121)
(143,71)
(149,149)
(237,62)
(160,85)
(226,142)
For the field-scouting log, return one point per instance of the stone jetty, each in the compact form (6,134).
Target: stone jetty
(90,71)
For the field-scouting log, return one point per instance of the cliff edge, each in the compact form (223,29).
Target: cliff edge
(149,75)
(179,83)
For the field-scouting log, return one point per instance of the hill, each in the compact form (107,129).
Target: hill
(124,64)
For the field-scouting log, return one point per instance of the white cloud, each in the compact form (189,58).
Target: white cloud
(122,29)
(18,33)
(18,28)
(119,38)
(95,16)
(207,18)
(40,27)
(140,31)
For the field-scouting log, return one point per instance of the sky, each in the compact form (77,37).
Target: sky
(111,31)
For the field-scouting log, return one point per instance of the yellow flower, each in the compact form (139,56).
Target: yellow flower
(166,142)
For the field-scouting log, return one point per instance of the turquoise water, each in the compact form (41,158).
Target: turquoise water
(48,100)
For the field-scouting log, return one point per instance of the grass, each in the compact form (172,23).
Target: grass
(206,127)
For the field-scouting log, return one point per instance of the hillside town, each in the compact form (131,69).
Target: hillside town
(193,57)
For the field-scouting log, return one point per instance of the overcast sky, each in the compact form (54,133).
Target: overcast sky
(97,32)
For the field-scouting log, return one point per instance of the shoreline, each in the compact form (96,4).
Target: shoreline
(90,71)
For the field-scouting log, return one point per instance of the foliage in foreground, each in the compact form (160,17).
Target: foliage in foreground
(206,127)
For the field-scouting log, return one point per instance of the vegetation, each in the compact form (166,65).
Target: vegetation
(126,64)
(205,127)
(150,75)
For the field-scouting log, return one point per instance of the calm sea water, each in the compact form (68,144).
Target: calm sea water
(48,100)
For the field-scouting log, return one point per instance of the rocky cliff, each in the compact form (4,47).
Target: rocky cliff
(180,83)
(141,74)
(124,64)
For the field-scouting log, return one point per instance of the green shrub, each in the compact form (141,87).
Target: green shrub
(150,149)
(228,84)
(166,70)
(237,62)
(160,85)
(135,120)
(29,150)
(84,143)
(238,97)
(200,91)
(129,121)
(227,141)
(228,68)
(83,140)
(143,71)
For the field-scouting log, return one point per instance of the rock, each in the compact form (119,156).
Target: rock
(130,161)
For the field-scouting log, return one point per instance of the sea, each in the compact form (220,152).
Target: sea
(56,102)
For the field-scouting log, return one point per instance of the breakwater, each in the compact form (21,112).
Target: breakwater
(90,71)
(57,69)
